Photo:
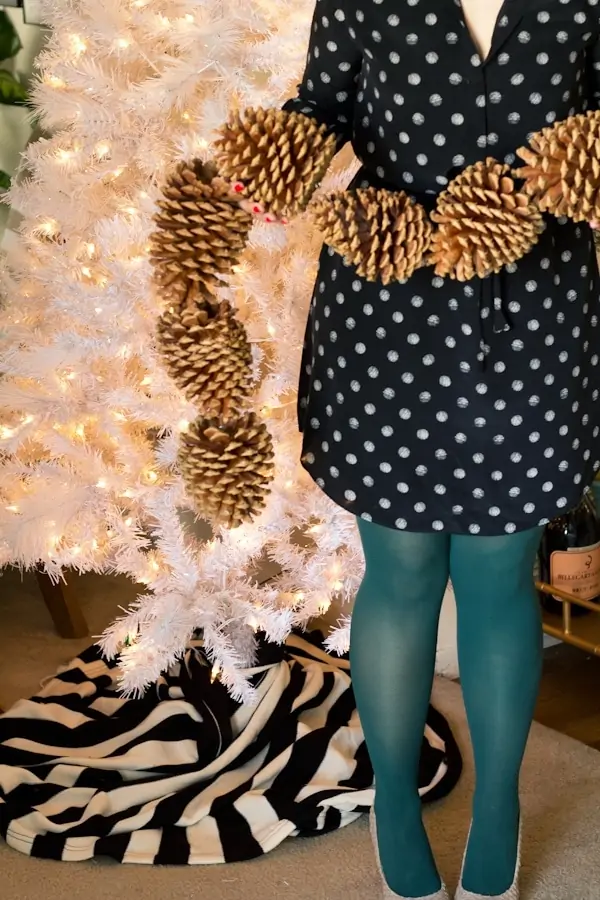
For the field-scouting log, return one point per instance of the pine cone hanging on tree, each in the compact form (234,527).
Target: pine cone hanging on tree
(483,223)
(384,234)
(201,231)
(562,167)
(227,468)
(207,354)
(279,157)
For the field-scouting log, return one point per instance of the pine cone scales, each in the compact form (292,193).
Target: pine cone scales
(227,467)
(206,352)
(280,157)
(483,223)
(384,234)
(562,171)
(201,231)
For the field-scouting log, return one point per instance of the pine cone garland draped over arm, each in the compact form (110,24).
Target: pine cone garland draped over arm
(281,155)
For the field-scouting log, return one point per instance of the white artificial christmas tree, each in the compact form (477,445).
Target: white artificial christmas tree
(89,421)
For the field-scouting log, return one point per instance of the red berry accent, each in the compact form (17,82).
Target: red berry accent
(238,187)
(256,209)
(269,219)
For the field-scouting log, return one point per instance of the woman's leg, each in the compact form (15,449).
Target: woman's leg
(392,655)
(500,657)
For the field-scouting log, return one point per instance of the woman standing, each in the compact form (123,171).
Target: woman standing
(454,420)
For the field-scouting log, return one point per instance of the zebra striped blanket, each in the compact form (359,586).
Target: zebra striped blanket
(186,775)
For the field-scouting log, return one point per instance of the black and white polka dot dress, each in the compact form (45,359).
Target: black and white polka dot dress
(432,405)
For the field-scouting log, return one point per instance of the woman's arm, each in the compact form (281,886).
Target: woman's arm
(328,88)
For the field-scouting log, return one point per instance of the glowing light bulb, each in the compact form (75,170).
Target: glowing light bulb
(55,82)
(129,522)
(299,596)
(183,424)
(123,43)
(102,149)
(102,484)
(48,228)
(80,431)
(152,476)
(76,550)
(85,270)
(271,329)
(13,508)
(98,310)
(146,380)
(189,17)
(64,155)
(185,115)
(79,46)
(6,432)
(91,249)
(215,672)
(27,420)
(118,171)
(338,585)
(289,484)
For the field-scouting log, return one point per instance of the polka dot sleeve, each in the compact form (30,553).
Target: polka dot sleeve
(595,73)
(328,88)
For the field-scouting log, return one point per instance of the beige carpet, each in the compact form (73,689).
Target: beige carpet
(561,788)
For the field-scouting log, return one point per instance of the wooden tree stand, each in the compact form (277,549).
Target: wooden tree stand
(62,604)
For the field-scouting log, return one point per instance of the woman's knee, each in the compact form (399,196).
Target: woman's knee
(405,565)
(492,565)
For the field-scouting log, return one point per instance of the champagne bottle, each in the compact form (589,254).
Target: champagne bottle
(569,556)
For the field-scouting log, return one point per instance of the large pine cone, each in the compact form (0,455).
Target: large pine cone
(227,468)
(279,157)
(562,171)
(201,231)
(484,223)
(207,354)
(384,234)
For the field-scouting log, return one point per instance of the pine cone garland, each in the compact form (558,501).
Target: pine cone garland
(279,156)
(484,223)
(227,467)
(562,171)
(207,354)
(384,234)
(201,231)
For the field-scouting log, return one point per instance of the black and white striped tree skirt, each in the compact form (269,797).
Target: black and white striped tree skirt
(186,775)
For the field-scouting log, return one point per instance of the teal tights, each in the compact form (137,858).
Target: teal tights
(393,649)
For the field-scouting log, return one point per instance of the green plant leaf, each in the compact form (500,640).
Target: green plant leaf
(4,182)
(11,89)
(10,42)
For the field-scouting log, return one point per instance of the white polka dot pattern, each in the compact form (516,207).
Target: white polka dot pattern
(430,405)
